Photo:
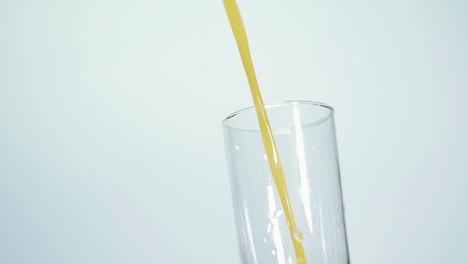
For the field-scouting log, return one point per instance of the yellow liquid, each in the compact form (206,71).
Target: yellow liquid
(269,143)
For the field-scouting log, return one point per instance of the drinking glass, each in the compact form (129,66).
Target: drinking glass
(305,136)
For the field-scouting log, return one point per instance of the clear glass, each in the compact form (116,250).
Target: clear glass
(305,136)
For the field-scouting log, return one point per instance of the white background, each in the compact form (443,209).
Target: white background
(111,147)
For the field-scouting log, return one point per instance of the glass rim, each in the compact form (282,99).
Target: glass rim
(281,103)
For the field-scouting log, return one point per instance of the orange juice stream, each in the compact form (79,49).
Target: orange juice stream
(269,143)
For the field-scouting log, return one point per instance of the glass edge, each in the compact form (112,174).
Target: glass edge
(273,104)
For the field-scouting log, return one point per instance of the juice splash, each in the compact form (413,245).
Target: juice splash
(269,143)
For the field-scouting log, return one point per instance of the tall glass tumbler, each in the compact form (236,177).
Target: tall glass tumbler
(305,136)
